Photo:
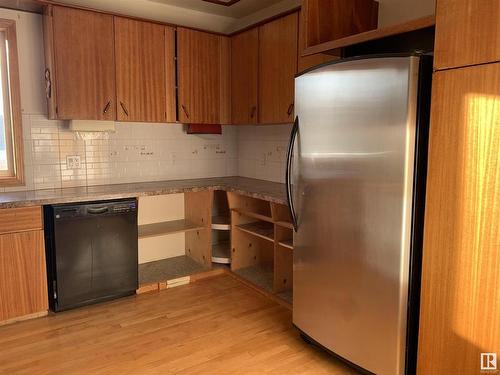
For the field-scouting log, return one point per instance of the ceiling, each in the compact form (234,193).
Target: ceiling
(192,13)
(240,9)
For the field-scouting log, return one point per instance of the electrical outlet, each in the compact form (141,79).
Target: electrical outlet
(73,161)
(263,159)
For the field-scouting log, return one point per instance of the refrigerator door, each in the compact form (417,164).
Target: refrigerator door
(352,194)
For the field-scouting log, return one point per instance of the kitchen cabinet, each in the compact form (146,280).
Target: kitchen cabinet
(23,280)
(245,76)
(467,32)
(459,314)
(277,68)
(202,79)
(328,20)
(142,50)
(80,62)
(306,62)
(262,244)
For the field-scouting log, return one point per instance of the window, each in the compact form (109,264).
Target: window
(11,163)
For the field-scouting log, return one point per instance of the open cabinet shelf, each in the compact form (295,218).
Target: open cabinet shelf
(221,252)
(167,227)
(168,269)
(367,36)
(260,276)
(286,243)
(260,229)
(254,215)
(221,222)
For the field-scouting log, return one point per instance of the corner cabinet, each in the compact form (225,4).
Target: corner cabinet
(23,278)
(203,71)
(245,77)
(142,50)
(277,68)
(80,64)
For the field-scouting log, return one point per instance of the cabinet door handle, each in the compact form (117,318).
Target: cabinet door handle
(48,84)
(185,110)
(124,108)
(252,113)
(106,108)
(290,109)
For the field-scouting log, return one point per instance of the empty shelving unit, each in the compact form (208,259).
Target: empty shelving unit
(262,244)
(174,238)
(221,229)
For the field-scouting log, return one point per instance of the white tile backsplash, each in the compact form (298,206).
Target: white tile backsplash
(147,152)
(262,151)
(135,152)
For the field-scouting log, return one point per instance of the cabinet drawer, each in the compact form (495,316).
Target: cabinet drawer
(20,219)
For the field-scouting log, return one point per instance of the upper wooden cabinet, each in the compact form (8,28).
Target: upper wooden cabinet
(327,20)
(141,77)
(244,77)
(203,76)
(80,61)
(467,32)
(277,68)
(306,62)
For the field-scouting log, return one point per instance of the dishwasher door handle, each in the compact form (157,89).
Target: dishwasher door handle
(97,211)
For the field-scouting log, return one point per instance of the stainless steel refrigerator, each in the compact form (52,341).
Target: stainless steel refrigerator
(356,188)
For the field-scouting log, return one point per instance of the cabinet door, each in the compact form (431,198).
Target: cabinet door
(81,50)
(460,310)
(306,62)
(467,32)
(140,70)
(23,280)
(198,73)
(244,76)
(277,68)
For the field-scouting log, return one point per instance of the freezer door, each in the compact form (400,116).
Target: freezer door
(352,195)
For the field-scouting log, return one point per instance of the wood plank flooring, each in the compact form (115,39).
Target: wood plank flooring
(213,326)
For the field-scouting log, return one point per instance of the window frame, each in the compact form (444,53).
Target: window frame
(14,131)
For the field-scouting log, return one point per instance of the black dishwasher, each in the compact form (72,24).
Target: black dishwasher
(91,251)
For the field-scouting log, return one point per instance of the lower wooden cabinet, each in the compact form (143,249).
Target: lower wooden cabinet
(23,280)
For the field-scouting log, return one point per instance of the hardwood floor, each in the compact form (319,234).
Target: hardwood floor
(213,326)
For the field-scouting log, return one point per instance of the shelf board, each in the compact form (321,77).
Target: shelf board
(286,243)
(168,269)
(167,227)
(221,223)
(221,252)
(259,276)
(417,24)
(260,229)
(285,224)
(286,295)
(254,215)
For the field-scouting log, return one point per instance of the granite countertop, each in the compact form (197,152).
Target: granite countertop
(261,189)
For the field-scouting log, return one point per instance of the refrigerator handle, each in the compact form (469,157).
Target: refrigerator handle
(288,177)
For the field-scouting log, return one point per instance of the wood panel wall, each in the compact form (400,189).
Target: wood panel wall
(460,297)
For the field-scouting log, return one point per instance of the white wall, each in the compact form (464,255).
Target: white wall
(391,12)
(262,151)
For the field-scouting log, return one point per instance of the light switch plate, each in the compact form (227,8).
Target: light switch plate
(73,161)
